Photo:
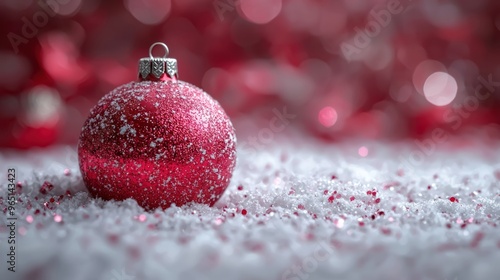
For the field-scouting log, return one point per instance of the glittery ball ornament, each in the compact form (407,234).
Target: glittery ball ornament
(159,141)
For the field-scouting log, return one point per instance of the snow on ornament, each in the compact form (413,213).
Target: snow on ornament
(159,141)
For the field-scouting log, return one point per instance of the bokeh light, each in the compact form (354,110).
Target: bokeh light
(363,151)
(440,88)
(260,11)
(256,56)
(327,116)
(149,12)
(70,7)
(423,71)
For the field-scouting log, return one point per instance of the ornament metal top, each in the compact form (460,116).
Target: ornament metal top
(158,68)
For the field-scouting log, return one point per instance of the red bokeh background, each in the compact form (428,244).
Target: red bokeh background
(344,68)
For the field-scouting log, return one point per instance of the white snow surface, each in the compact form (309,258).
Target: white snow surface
(291,230)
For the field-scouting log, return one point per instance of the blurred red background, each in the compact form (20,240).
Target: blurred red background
(345,68)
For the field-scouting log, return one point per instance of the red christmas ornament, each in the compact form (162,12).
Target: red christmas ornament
(159,141)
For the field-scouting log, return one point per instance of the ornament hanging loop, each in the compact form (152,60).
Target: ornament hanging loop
(165,47)
(158,68)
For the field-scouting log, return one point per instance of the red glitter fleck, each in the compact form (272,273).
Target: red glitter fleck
(463,225)
(310,236)
(301,207)
(377,200)
(334,177)
(381,213)
(240,187)
(152,226)
(46,187)
(223,237)
(448,225)
(113,238)
(453,199)
(52,200)
(19,188)
(255,246)
(219,221)
(336,244)
(57,218)
(134,252)
(361,223)
(243,212)
(352,198)
(374,193)
(37,211)
(284,157)
(331,199)
(385,231)
(373,217)
(325,192)
(391,184)
(477,239)
(369,192)
(497,174)
(429,187)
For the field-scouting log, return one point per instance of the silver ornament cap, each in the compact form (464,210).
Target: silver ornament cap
(157,66)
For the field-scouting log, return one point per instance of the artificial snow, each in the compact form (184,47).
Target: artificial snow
(316,211)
